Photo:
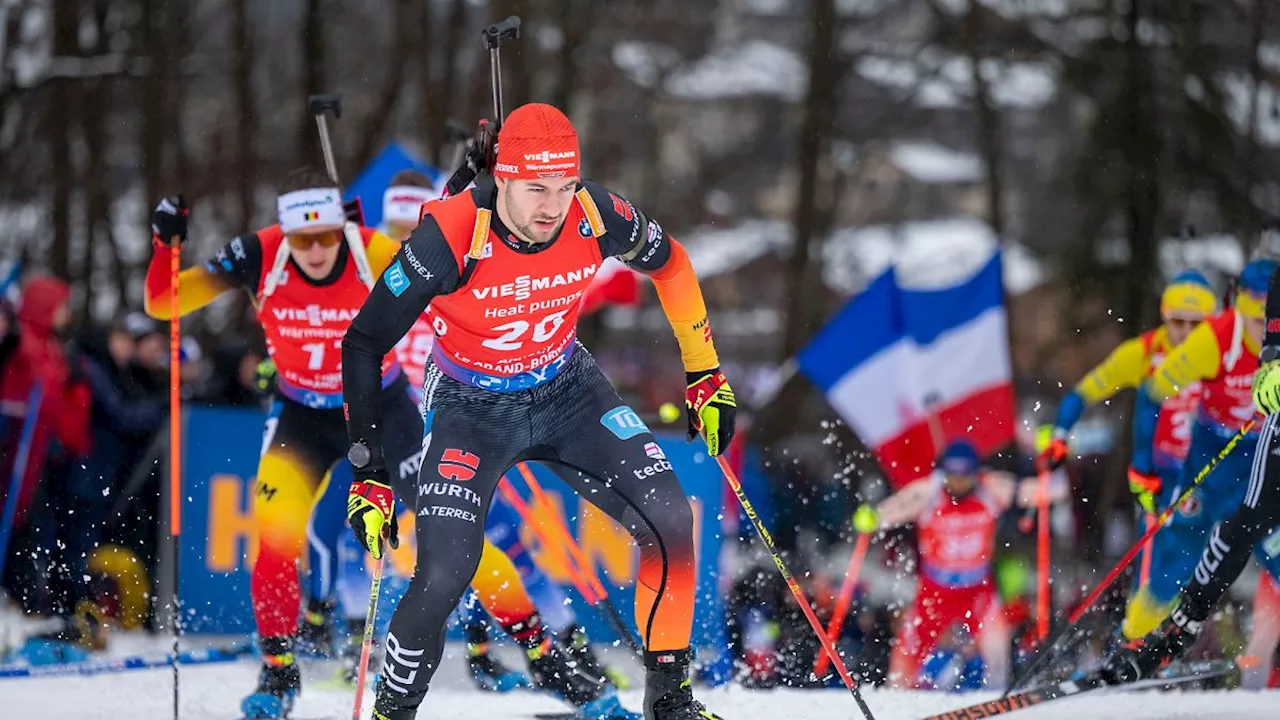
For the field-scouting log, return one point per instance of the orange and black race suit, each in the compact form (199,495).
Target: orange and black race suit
(508,382)
(304,321)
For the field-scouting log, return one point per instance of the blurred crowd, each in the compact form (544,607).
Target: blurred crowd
(83,422)
(83,435)
(83,432)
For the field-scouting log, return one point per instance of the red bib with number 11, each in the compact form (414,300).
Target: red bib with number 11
(519,311)
(304,323)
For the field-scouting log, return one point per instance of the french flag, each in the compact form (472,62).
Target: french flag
(910,369)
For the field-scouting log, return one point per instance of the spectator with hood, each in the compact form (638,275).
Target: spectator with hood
(62,419)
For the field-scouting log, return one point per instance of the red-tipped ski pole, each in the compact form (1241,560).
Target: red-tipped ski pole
(1043,550)
(1144,575)
(801,600)
(576,576)
(580,558)
(843,600)
(576,556)
(366,646)
(175,447)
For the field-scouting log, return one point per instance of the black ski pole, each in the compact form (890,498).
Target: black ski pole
(320,107)
(492,37)
(483,151)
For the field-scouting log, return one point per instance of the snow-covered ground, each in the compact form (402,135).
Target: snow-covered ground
(212,692)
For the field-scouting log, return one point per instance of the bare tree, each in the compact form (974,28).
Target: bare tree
(574,18)
(60,111)
(243,59)
(989,136)
(1250,167)
(440,91)
(314,54)
(102,266)
(378,122)
(815,127)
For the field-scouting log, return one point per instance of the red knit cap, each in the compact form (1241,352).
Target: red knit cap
(537,141)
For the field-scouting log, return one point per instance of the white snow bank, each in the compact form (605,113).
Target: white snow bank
(1240,99)
(212,692)
(928,162)
(642,62)
(754,68)
(944,80)
(716,251)
(1219,253)
(926,253)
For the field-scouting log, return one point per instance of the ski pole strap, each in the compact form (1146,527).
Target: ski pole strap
(461,178)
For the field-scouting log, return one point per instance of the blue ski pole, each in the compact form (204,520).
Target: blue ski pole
(19,469)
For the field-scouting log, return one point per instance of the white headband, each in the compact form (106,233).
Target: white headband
(403,203)
(311,209)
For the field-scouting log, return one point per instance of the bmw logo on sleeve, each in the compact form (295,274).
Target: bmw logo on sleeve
(397,282)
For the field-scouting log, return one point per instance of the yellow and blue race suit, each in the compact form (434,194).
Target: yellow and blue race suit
(1222,358)
(1128,367)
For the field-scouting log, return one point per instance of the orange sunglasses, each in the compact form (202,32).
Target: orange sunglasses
(304,242)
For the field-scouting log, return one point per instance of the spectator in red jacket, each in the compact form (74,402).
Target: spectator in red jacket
(64,409)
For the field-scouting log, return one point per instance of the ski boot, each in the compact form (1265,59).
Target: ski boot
(279,684)
(553,670)
(315,631)
(490,674)
(487,671)
(349,654)
(1143,614)
(575,640)
(391,705)
(1145,656)
(668,692)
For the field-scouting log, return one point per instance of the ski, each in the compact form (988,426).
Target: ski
(1186,673)
(96,667)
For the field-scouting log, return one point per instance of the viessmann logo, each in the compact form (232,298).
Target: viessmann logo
(547,156)
(315,315)
(523,287)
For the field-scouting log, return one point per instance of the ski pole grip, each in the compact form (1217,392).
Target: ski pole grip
(508,29)
(326,102)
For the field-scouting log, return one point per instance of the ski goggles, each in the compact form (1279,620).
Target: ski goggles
(326,240)
(1182,323)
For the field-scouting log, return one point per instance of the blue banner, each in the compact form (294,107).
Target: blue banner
(374,179)
(219,536)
